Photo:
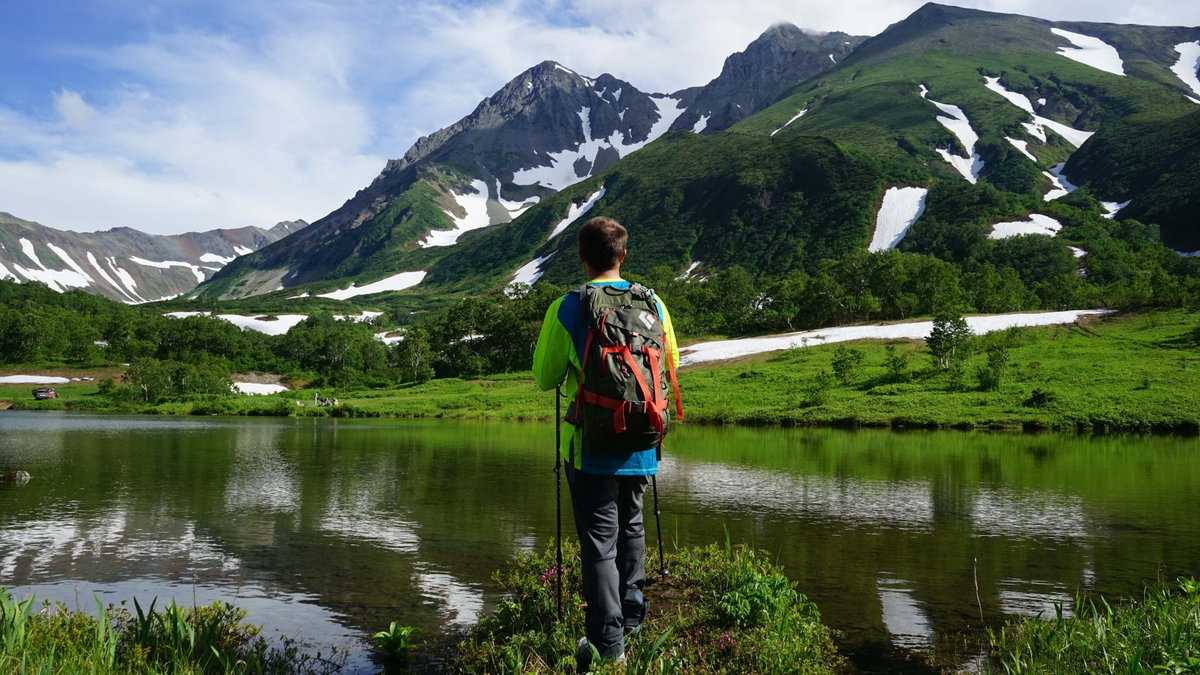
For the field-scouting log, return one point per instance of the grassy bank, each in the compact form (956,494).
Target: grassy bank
(51,639)
(1159,633)
(1128,372)
(721,610)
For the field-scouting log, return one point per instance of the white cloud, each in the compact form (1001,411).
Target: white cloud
(299,105)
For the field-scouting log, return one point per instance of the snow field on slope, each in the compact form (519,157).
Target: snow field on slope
(396,282)
(280,326)
(901,208)
(1188,65)
(800,114)
(1023,146)
(1091,51)
(701,124)
(1038,127)
(560,173)
(688,272)
(59,280)
(168,264)
(1061,186)
(1037,224)
(1113,208)
(515,209)
(477,216)
(954,119)
(530,272)
(216,259)
(33,379)
(255,389)
(729,349)
(575,212)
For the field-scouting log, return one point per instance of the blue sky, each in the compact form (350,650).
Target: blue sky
(176,115)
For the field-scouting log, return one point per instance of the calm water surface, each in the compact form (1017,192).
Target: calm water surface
(329,529)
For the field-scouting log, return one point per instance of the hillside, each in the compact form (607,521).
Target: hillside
(544,131)
(125,264)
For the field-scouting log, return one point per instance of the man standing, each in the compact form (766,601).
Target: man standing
(616,337)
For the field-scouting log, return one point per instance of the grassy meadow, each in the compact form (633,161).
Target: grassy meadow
(1125,372)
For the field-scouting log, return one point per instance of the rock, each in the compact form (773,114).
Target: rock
(15,477)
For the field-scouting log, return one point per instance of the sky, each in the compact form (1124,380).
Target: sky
(188,115)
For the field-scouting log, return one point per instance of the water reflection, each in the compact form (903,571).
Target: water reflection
(335,528)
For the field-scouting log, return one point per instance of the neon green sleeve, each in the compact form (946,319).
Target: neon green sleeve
(669,331)
(553,351)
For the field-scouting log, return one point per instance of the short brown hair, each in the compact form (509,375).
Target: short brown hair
(601,242)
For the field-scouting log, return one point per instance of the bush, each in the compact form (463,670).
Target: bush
(816,389)
(896,363)
(846,363)
(1040,398)
(950,340)
(992,375)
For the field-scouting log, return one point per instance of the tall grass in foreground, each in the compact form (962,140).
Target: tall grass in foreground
(1158,634)
(177,640)
(721,610)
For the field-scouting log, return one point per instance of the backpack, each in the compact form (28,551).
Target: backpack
(621,402)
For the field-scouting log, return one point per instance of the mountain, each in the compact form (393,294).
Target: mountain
(546,130)
(991,122)
(751,80)
(125,264)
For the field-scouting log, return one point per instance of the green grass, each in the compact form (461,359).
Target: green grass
(1130,372)
(720,610)
(52,639)
(1159,633)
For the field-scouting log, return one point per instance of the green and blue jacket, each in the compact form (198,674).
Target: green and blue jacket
(559,354)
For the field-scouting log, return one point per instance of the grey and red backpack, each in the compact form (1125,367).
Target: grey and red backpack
(621,403)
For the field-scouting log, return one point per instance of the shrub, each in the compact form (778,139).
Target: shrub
(1040,398)
(992,375)
(846,363)
(816,389)
(949,341)
(896,363)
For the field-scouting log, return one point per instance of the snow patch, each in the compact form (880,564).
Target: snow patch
(4,273)
(956,121)
(27,249)
(1037,224)
(254,389)
(396,282)
(70,263)
(1023,146)
(530,272)
(901,208)
(832,59)
(167,264)
(214,258)
(515,209)
(688,272)
(1061,186)
(1113,208)
(125,277)
(617,95)
(477,216)
(280,325)
(242,250)
(1038,127)
(1077,252)
(729,349)
(33,379)
(59,280)
(701,124)
(798,116)
(559,172)
(1188,65)
(104,275)
(1091,51)
(575,212)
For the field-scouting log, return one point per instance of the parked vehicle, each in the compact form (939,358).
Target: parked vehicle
(44,393)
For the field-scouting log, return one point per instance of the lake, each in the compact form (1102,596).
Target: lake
(329,529)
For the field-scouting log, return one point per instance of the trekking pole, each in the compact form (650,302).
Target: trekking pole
(662,566)
(558,488)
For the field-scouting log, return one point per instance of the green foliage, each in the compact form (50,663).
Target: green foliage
(949,341)
(1158,633)
(816,388)
(394,641)
(846,363)
(896,363)
(991,375)
(187,641)
(722,610)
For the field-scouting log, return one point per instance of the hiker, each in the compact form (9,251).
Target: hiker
(617,334)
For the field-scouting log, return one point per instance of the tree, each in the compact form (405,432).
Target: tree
(950,340)
(846,363)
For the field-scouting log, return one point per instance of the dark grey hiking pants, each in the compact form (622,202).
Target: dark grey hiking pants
(612,541)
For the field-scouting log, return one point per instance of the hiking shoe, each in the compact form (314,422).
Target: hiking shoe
(583,656)
(632,630)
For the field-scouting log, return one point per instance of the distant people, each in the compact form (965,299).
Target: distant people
(335,403)
(316,398)
(614,444)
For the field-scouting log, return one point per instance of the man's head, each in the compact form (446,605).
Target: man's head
(602,245)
